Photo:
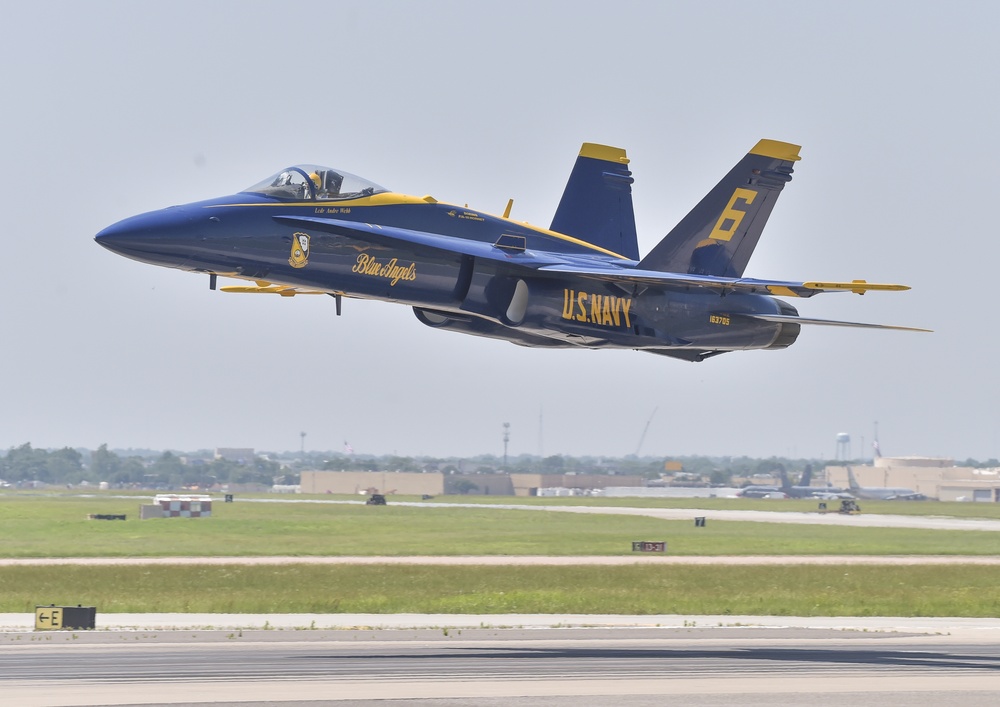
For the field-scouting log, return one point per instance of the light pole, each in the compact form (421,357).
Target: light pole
(506,439)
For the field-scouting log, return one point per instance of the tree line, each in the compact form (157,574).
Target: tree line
(26,465)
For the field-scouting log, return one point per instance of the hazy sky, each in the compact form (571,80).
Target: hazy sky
(115,108)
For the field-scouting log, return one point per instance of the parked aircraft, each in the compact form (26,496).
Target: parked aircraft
(761,492)
(578,284)
(880,492)
(804,490)
(790,490)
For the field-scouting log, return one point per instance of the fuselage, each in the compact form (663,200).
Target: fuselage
(257,235)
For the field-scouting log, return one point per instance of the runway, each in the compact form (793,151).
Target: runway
(508,660)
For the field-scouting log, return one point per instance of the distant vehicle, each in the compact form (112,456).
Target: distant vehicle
(848,506)
(881,493)
(377,499)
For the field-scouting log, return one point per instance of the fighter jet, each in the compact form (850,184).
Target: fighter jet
(580,283)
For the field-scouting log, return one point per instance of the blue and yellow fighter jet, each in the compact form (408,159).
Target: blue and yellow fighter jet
(578,284)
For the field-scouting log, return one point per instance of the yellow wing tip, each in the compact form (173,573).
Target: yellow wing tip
(857,286)
(778,150)
(603,152)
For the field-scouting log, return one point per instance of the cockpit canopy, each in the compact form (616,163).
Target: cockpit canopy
(309,182)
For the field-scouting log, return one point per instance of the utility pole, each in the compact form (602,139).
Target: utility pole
(506,439)
(541,433)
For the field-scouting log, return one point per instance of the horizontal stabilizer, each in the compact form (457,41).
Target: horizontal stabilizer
(783,318)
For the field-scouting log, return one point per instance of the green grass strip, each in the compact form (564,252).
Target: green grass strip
(961,590)
(58,527)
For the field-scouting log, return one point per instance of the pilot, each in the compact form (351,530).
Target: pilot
(317,182)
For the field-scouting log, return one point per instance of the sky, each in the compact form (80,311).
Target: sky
(117,108)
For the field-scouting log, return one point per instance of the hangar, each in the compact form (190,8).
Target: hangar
(436,483)
(935,477)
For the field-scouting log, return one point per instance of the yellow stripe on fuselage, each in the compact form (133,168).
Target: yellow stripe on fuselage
(393,199)
(380,199)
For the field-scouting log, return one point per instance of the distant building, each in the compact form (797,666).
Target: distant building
(365,482)
(532,484)
(435,483)
(935,477)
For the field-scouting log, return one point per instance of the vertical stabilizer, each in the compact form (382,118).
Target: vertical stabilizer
(596,206)
(719,235)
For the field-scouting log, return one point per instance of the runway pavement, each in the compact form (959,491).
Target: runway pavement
(503,660)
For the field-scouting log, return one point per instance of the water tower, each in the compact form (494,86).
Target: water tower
(843,446)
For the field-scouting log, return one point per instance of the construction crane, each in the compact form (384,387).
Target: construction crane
(645,429)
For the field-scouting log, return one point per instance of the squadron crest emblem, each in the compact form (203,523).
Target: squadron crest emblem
(300,250)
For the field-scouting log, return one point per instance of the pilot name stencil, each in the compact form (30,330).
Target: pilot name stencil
(605,310)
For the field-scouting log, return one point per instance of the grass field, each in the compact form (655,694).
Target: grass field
(961,590)
(986,511)
(57,526)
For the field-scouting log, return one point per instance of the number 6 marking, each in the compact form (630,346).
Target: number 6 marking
(732,216)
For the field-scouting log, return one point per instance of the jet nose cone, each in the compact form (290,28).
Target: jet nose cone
(159,237)
(118,237)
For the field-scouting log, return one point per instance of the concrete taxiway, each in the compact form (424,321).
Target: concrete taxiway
(438,660)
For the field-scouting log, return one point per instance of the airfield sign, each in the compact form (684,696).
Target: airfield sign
(49,618)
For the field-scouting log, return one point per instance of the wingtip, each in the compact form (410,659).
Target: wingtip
(857,286)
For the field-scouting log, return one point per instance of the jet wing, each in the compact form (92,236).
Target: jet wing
(556,264)
(782,288)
